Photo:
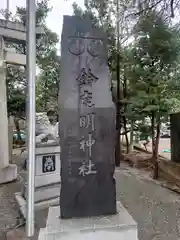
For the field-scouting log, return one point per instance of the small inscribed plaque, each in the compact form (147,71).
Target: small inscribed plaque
(48,163)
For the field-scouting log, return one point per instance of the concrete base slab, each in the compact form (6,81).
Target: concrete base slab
(21,202)
(8,174)
(120,226)
(42,234)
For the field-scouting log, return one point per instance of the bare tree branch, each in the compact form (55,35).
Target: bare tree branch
(172,8)
(145,9)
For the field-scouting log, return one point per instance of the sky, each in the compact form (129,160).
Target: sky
(55,17)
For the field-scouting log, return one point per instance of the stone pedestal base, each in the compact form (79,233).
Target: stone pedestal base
(117,227)
(8,174)
(46,189)
(47,179)
(21,202)
(45,195)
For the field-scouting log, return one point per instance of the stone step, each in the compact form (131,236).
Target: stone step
(21,203)
(46,192)
(91,234)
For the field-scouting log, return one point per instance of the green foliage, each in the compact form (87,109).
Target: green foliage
(48,82)
(155,55)
(16,89)
(145,132)
(47,60)
(149,64)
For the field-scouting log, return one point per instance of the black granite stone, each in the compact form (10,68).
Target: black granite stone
(87,123)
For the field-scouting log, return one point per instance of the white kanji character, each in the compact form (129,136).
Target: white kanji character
(82,145)
(89,167)
(89,144)
(82,121)
(49,164)
(90,121)
(82,170)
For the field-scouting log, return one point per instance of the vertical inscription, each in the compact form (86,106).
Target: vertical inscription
(87,120)
(89,49)
(69,147)
(69,159)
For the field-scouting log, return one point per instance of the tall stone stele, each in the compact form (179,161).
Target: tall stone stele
(87,122)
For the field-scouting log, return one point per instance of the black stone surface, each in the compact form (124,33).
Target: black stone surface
(95,194)
(84,194)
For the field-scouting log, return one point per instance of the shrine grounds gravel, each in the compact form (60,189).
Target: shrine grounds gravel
(154,208)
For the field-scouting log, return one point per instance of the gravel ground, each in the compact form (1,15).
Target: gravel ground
(8,208)
(156,209)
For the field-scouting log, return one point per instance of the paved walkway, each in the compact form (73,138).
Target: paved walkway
(156,209)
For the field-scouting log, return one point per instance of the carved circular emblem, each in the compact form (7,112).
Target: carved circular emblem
(95,47)
(76,46)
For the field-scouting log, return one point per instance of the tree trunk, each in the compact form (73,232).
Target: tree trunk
(126,134)
(45,96)
(155,146)
(118,141)
(18,130)
(155,153)
(152,131)
(118,118)
(131,137)
(124,85)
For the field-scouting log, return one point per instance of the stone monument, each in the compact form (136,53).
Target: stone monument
(88,208)
(87,123)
